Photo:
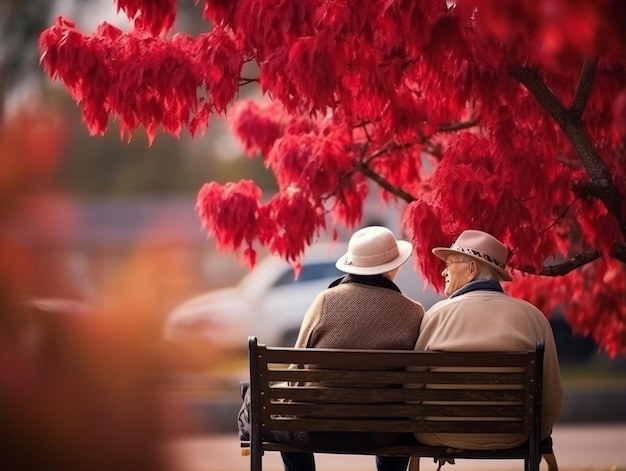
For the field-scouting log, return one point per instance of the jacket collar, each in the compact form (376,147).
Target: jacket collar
(379,281)
(480,285)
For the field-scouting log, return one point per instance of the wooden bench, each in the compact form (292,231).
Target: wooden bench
(330,397)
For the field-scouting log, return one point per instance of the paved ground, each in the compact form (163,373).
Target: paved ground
(578,447)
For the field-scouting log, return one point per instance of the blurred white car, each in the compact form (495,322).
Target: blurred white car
(269,302)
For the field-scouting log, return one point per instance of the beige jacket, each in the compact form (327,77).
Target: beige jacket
(492,321)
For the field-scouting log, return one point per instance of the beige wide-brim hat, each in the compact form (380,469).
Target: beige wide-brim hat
(480,246)
(374,250)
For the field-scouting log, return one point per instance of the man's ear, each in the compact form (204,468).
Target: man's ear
(474,269)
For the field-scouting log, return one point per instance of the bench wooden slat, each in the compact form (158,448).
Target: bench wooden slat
(338,377)
(391,358)
(364,391)
(348,411)
(392,425)
(366,396)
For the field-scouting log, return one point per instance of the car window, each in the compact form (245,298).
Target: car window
(309,272)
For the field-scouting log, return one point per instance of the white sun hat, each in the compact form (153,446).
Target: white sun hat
(374,250)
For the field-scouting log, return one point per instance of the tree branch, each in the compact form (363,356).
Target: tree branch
(384,148)
(367,171)
(363,167)
(571,264)
(531,80)
(583,89)
(573,128)
(457,126)
(399,192)
(434,150)
(618,252)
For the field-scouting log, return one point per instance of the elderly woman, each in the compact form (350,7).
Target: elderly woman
(362,309)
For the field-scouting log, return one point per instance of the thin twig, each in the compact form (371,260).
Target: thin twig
(583,89)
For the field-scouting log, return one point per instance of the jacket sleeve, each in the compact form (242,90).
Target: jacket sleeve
(552,396)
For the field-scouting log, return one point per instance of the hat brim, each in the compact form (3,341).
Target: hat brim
(444,252)
(405,250)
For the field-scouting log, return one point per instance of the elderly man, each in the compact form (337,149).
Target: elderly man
(478,316)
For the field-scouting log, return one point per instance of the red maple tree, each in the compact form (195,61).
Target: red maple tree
(502,115)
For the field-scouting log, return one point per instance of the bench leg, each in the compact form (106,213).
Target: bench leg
(551,460)
(255,463)
(532,463)
(256,458)
(414,463)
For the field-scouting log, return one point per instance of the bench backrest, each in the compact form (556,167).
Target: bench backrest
(365,390)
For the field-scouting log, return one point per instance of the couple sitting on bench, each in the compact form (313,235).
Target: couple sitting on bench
(366,310)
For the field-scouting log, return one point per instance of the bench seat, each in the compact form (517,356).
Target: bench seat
(391,391)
